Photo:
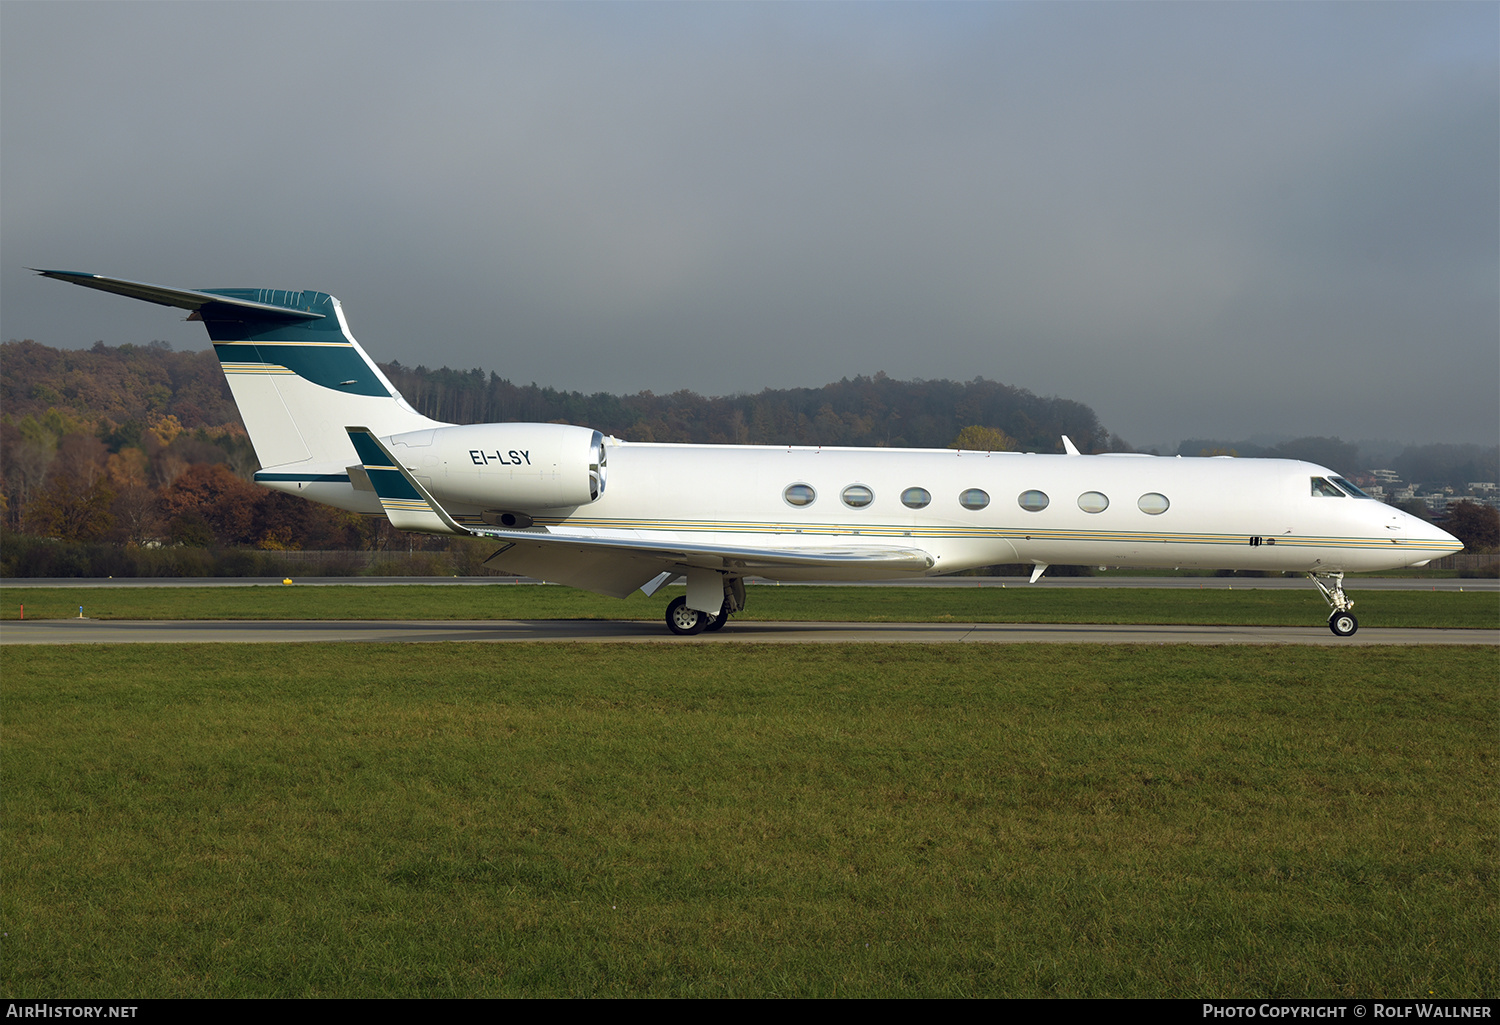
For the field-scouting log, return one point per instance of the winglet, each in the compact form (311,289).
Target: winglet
(406,502)
(1069,448)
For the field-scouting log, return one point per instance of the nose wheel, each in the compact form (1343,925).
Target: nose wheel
(1342,622)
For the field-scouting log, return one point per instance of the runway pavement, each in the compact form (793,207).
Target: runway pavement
(1103,580)
(75,631)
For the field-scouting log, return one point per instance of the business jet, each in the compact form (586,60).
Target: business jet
(570,505)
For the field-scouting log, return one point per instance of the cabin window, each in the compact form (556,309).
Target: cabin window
(1033,501)
(1352,490)
(1153,504)
(1093,502)
(1322,489)
(857,496)
(799,495)
(974,499)
(916,498)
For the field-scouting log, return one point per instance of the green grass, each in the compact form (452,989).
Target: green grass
(1012,604)
(528,820)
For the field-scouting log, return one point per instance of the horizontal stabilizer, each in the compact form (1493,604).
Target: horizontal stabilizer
(184,298)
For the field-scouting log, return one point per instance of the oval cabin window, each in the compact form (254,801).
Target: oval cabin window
(857,496)
(1033,501)
(799,495)
(974,499)
(1092,502)
(916,498)
(1153,504)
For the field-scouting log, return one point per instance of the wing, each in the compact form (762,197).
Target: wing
(613,563)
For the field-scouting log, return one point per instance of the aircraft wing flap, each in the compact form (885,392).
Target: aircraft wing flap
(609,572)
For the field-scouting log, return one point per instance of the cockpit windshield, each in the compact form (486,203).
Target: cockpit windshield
(1353,491)
(1322,489)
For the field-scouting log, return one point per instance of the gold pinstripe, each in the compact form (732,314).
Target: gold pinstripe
(325,345)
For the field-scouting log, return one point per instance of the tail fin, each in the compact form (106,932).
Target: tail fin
(296,372)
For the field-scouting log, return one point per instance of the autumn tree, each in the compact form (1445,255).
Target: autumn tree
(136,510)
(211,495)
(975,438)
(1477,526)
(72,508)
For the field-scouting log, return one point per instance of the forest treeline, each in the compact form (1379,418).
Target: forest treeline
(142,447)
(124,385)
(859,411)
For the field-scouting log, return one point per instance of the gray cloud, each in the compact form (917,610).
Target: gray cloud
(1200,219)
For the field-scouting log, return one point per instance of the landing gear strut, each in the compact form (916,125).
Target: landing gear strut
(1342,621)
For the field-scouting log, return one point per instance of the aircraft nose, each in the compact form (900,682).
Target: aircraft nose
(1447,540)
(1432,540)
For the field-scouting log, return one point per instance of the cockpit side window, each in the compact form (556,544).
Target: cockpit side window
(1352,490)
(1322,489)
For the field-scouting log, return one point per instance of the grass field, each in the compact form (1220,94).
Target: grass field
(1014,604)
(534,820)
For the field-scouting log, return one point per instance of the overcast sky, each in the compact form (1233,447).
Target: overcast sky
(1200,219)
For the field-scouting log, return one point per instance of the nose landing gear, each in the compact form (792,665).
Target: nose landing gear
(1343,624)
(1342,621)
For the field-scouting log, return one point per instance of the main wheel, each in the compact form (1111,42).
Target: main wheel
(717,623)
(1343,624)
(682,620)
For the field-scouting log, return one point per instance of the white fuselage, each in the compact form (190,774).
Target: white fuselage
(635,513)
(1219,512)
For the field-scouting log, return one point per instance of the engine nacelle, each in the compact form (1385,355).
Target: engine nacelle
(507,466)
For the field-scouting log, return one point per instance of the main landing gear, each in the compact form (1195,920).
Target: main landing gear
(685,622)
(1342,621)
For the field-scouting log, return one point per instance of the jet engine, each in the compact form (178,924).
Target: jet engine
(507,466)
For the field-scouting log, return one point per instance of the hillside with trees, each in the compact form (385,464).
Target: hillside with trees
(130,460)
(141,448)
